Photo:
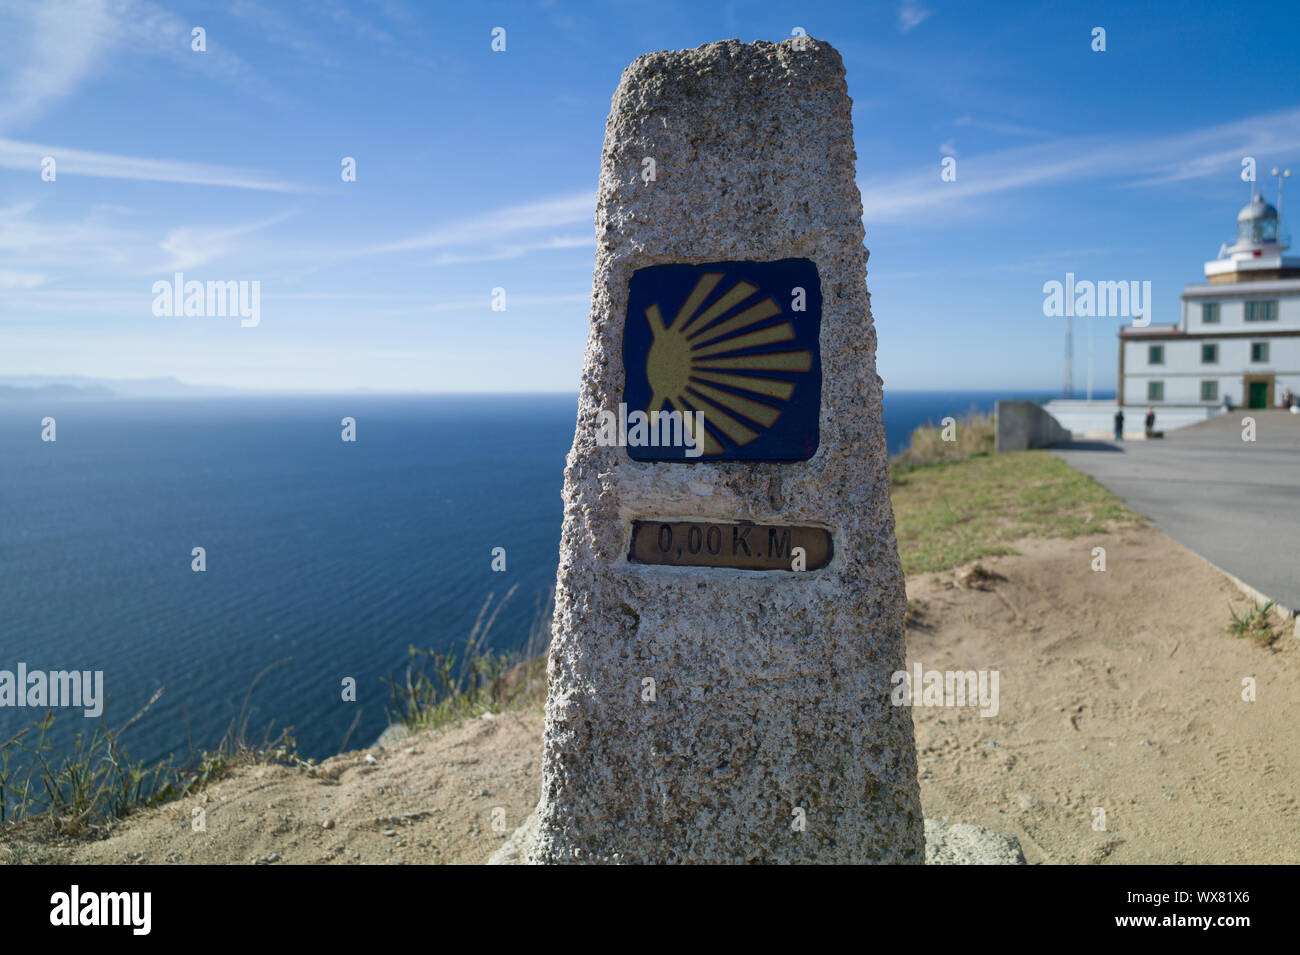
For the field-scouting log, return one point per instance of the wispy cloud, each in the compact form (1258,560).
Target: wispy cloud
(80,162)
(481,304)
(910,15)
(54,46)
(192,247)
(41,249)
(31,241)
(1060,259)
(1133,161)
(66,36)
(104,302)
(485,233)
(306,34)
(274,27)
(518,250)
(1007,129)
(12,279)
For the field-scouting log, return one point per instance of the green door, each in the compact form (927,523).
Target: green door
(1259,394)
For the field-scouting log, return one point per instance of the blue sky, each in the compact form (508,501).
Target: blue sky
(478,169)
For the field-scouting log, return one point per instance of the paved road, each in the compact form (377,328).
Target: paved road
(1234,502)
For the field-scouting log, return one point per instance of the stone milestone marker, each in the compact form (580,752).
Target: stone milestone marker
(729,604)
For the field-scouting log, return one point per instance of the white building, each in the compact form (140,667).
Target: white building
(1238,339)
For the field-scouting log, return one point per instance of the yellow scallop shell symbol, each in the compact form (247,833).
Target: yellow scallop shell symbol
(695,353)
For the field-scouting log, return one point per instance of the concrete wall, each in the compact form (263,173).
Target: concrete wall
(1023,424)
(1097,418)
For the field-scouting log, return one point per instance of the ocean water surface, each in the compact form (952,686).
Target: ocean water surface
(334,557)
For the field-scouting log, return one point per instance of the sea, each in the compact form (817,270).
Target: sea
(325,560)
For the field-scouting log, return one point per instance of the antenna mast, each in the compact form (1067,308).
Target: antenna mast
(1069,359)
(1281,178)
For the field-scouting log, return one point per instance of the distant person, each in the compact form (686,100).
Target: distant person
(1287,398)
(1151,421)
(1119,424)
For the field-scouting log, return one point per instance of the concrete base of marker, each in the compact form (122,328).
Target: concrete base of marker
(961,843)
(514,851)
(945,844)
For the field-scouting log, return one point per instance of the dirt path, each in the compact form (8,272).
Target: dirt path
(426,799)
(1118,690)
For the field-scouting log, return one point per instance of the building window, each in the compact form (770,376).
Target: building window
(1155,354)
(1261,311)
(1209,354)
(1155,391)
(1210,313)
(1259,351)
(1209,391)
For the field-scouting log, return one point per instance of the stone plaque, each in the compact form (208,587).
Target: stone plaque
(696,714)
(741,546)
(736,342)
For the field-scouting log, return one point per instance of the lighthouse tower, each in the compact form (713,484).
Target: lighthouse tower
(1238,341)
(1258,255)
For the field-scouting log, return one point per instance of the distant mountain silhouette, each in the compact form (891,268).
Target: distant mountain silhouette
(79,386)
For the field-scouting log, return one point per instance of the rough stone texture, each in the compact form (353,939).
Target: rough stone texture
(964,844)
(514,851)
(945,844)
(393,733)
(773,688)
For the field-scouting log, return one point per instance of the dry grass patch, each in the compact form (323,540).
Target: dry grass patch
(952,513)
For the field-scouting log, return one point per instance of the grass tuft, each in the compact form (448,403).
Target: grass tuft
(1253,623)
(972,436)
(84,790)
(441,687)
(46,796)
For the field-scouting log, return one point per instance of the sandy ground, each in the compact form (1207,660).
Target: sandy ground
(1118,690)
